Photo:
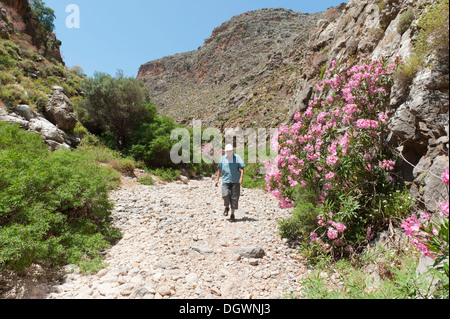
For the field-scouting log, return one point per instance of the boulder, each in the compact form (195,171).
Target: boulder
(59,111)
(13,119)
(25,111)
(434,191)
(47,130)
(184,179)
(251,252)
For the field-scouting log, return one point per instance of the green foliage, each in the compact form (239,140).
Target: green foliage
(45,18)
(252,176)
(304,217)
(125,166)
(396,279)
(434,30)
(151,142)
(53,206)
(114,107)
(27,77)
(405,20)
(9,54)
(408,70)
(432,37)
(13,94)
(93,148)
(146,180)
(167,174)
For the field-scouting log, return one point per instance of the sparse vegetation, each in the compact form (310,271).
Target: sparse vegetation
(432,38)
(405,21)
(146,180)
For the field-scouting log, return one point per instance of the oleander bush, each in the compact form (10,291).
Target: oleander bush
(335,152)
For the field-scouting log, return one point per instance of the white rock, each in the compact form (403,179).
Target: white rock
(192,278)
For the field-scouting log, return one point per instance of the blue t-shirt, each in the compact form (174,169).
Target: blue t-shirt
(231,169)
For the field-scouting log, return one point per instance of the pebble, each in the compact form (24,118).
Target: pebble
(177,244)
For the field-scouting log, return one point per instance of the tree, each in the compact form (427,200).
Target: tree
(114,107)
(45,18)
(78,70)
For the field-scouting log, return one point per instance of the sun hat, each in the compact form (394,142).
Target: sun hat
(229,148)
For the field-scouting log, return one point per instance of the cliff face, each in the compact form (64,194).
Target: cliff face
(21,21)
(260,67)
(33,86)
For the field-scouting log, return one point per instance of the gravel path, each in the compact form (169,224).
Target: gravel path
(177,244)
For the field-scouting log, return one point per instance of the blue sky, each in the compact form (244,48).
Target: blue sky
(126,34)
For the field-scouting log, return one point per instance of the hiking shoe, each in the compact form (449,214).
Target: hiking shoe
(227,209)
(232,217)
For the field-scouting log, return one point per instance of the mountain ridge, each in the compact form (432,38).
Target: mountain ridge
(259,38)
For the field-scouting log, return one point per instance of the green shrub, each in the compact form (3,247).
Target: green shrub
(396,278)
(434,30)
(53,206)
(93,149)
(408,70)
(252,177)
(146,180)
(405,20)
(13,95)
(304,217)
(6,78)
(432,37)
(167,174)
(125,166)
(151,142)
(80,130)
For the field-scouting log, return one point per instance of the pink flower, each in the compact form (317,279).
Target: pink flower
(321,221)
(327,186)
(340,227)
(332,233)
(330,175)
(387,165)
(369,233)
(366,124)
(309,112)
(382,117)
(293,183)
(411,225)
(332,160)
(444,207)
(445,177)
(349,109)
(321,117)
